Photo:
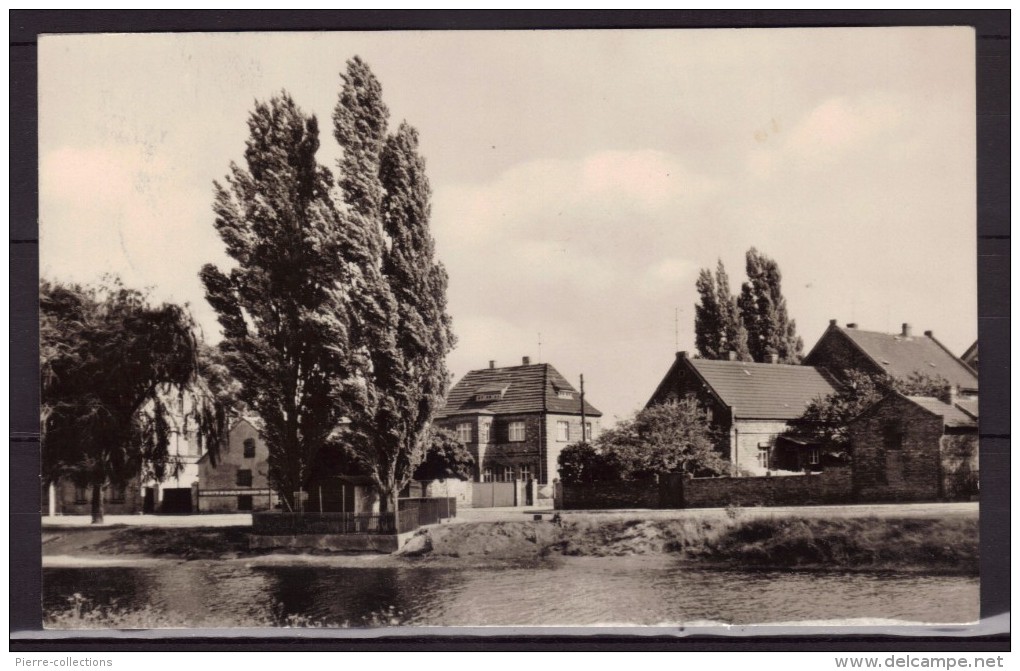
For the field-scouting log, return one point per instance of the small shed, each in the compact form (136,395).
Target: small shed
(342,494)
(915,448)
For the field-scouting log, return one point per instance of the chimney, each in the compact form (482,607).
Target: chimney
(930,334)
(492,363)
(832,322)
(525,360)
(852,325)
(906,330)
(951,394)
(681,355)
(773,358)
(733,355)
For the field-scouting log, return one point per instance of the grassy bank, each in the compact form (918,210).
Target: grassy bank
(789,542)
(925,544)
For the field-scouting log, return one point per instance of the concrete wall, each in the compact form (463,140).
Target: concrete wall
(218,488)
(833,485)
(910,472)
(450,488)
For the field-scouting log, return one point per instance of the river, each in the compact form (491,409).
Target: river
(576,591)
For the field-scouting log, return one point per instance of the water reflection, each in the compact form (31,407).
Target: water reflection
(580,591)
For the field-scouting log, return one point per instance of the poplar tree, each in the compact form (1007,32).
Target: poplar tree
(284,308)
(718,328)
(402,327)
(763,311)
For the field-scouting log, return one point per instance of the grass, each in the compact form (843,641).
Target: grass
(181,543)
(81,613)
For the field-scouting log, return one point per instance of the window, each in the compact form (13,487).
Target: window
(892,437)
(564,393)
(508,473)
(244,478)
(516,432)
(587,431)
(562,431)
(81,495)
(249,448)
(489,396)
(763,455)
(116,494)
(525,472)
(464,432)
(814,456)
(483,432)
(244,502)
(488,475)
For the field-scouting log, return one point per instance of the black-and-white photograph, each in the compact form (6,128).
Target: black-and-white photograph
(557,328)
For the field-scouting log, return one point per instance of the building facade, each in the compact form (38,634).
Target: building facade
(750,405)
(898,355)
(915,448)
(516,420)
(238,481)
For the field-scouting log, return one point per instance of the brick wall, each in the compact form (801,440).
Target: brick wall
(887,468)
(607,496)
(831,486)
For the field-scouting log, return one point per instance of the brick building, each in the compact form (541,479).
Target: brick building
(896,354)
(516,420)
(915,448)
(239,480)
(751,405)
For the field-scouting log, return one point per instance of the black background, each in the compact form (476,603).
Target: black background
(992,28)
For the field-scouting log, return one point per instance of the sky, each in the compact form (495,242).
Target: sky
(580,178)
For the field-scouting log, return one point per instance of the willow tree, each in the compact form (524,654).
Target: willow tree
(111,364)
(401,325)
(284,307)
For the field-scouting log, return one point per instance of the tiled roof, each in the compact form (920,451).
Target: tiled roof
(531,388)
(900,356)
(764,390)
(969,404)
(954,417)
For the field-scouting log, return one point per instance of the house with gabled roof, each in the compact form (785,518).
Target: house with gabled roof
(516,420)
(915,448)
(896,354)
(750,405)
(970,357)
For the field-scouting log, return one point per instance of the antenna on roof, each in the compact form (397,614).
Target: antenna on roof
(540,347)
(676,329)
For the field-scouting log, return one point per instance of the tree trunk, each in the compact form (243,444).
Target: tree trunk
(97,504)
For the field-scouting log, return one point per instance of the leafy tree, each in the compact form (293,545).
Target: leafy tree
(285,308)
(445,458)
(581,463)
(402,326)
(668,438)
(111,363)
(718,328)
(763,310)
(923,384)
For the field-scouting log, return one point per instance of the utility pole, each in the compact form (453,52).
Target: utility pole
(584,425)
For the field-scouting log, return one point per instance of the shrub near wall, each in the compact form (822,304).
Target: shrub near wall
(831,486)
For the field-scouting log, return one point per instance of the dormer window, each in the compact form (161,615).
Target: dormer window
(490,392)
(565,394)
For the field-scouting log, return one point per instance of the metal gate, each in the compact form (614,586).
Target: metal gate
(493,494)
(176,501)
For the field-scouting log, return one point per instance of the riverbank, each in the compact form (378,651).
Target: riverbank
(929,545)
